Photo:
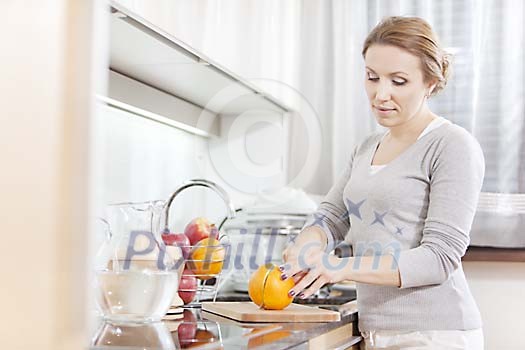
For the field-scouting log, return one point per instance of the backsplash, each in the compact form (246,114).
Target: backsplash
(145,160)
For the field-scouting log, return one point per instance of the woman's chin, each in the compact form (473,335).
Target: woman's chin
(386,122)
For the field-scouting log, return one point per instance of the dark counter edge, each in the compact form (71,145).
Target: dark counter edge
(297,340)
(494,254)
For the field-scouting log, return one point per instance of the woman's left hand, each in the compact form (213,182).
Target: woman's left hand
(312,271)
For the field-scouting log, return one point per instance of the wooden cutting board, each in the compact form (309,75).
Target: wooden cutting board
(246,311)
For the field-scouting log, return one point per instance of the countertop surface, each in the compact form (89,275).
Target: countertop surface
(199,329)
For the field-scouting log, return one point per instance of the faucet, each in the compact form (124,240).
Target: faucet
(205,183)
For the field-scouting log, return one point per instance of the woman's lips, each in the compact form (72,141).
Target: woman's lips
(384,110)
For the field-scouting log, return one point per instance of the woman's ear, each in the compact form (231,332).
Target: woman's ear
(431,86)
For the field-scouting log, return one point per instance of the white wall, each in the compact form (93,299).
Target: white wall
(250,156)
(499,290)
(145,160)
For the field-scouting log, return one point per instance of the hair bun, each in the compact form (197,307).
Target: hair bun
(445,65)
(445,73)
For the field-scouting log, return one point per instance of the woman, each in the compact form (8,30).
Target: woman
(405,202)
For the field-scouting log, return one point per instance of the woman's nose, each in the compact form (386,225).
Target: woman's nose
(383,92)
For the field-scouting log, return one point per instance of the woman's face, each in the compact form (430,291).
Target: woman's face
(394,84)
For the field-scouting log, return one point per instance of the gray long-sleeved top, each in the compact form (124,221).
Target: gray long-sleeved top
(419,208)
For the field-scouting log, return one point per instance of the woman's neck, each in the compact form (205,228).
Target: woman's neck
(411,129)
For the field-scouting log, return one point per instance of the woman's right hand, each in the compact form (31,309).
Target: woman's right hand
(291,258)
(311,239)
(311,268)
(306,251)
(295,255)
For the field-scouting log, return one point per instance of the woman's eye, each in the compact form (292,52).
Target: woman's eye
(399,82)
(372,77)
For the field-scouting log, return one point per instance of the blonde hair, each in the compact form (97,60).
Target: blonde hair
(417,37)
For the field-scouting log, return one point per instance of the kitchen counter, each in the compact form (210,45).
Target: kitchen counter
(199,329)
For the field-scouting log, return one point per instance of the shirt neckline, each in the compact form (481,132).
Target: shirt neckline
(379,167)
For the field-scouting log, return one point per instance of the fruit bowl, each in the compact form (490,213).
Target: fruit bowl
(201,277)
(203,247)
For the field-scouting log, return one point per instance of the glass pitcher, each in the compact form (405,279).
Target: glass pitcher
(137,275)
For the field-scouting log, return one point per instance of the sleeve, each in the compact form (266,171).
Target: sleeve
(455,183)
(330,216)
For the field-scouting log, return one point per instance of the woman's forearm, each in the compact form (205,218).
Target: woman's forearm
(381,270)
(308,248)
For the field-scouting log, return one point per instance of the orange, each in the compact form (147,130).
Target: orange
(206,258)
(267,290)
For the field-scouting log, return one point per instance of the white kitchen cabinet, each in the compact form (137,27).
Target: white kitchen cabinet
(238,132)
(161,78)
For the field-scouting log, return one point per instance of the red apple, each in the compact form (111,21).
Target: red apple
(187,286)
(197,230)
(187,330)
(178,239)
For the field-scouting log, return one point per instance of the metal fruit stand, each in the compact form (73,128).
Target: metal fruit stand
(208,281)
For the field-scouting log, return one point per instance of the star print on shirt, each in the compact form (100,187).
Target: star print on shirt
(353,208)
(399,231)
(379,218)
(318,220)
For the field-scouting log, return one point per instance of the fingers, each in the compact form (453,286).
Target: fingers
(290,269)
(308,279)
(291,266)
(297,261)
(319,282)
(298,276)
